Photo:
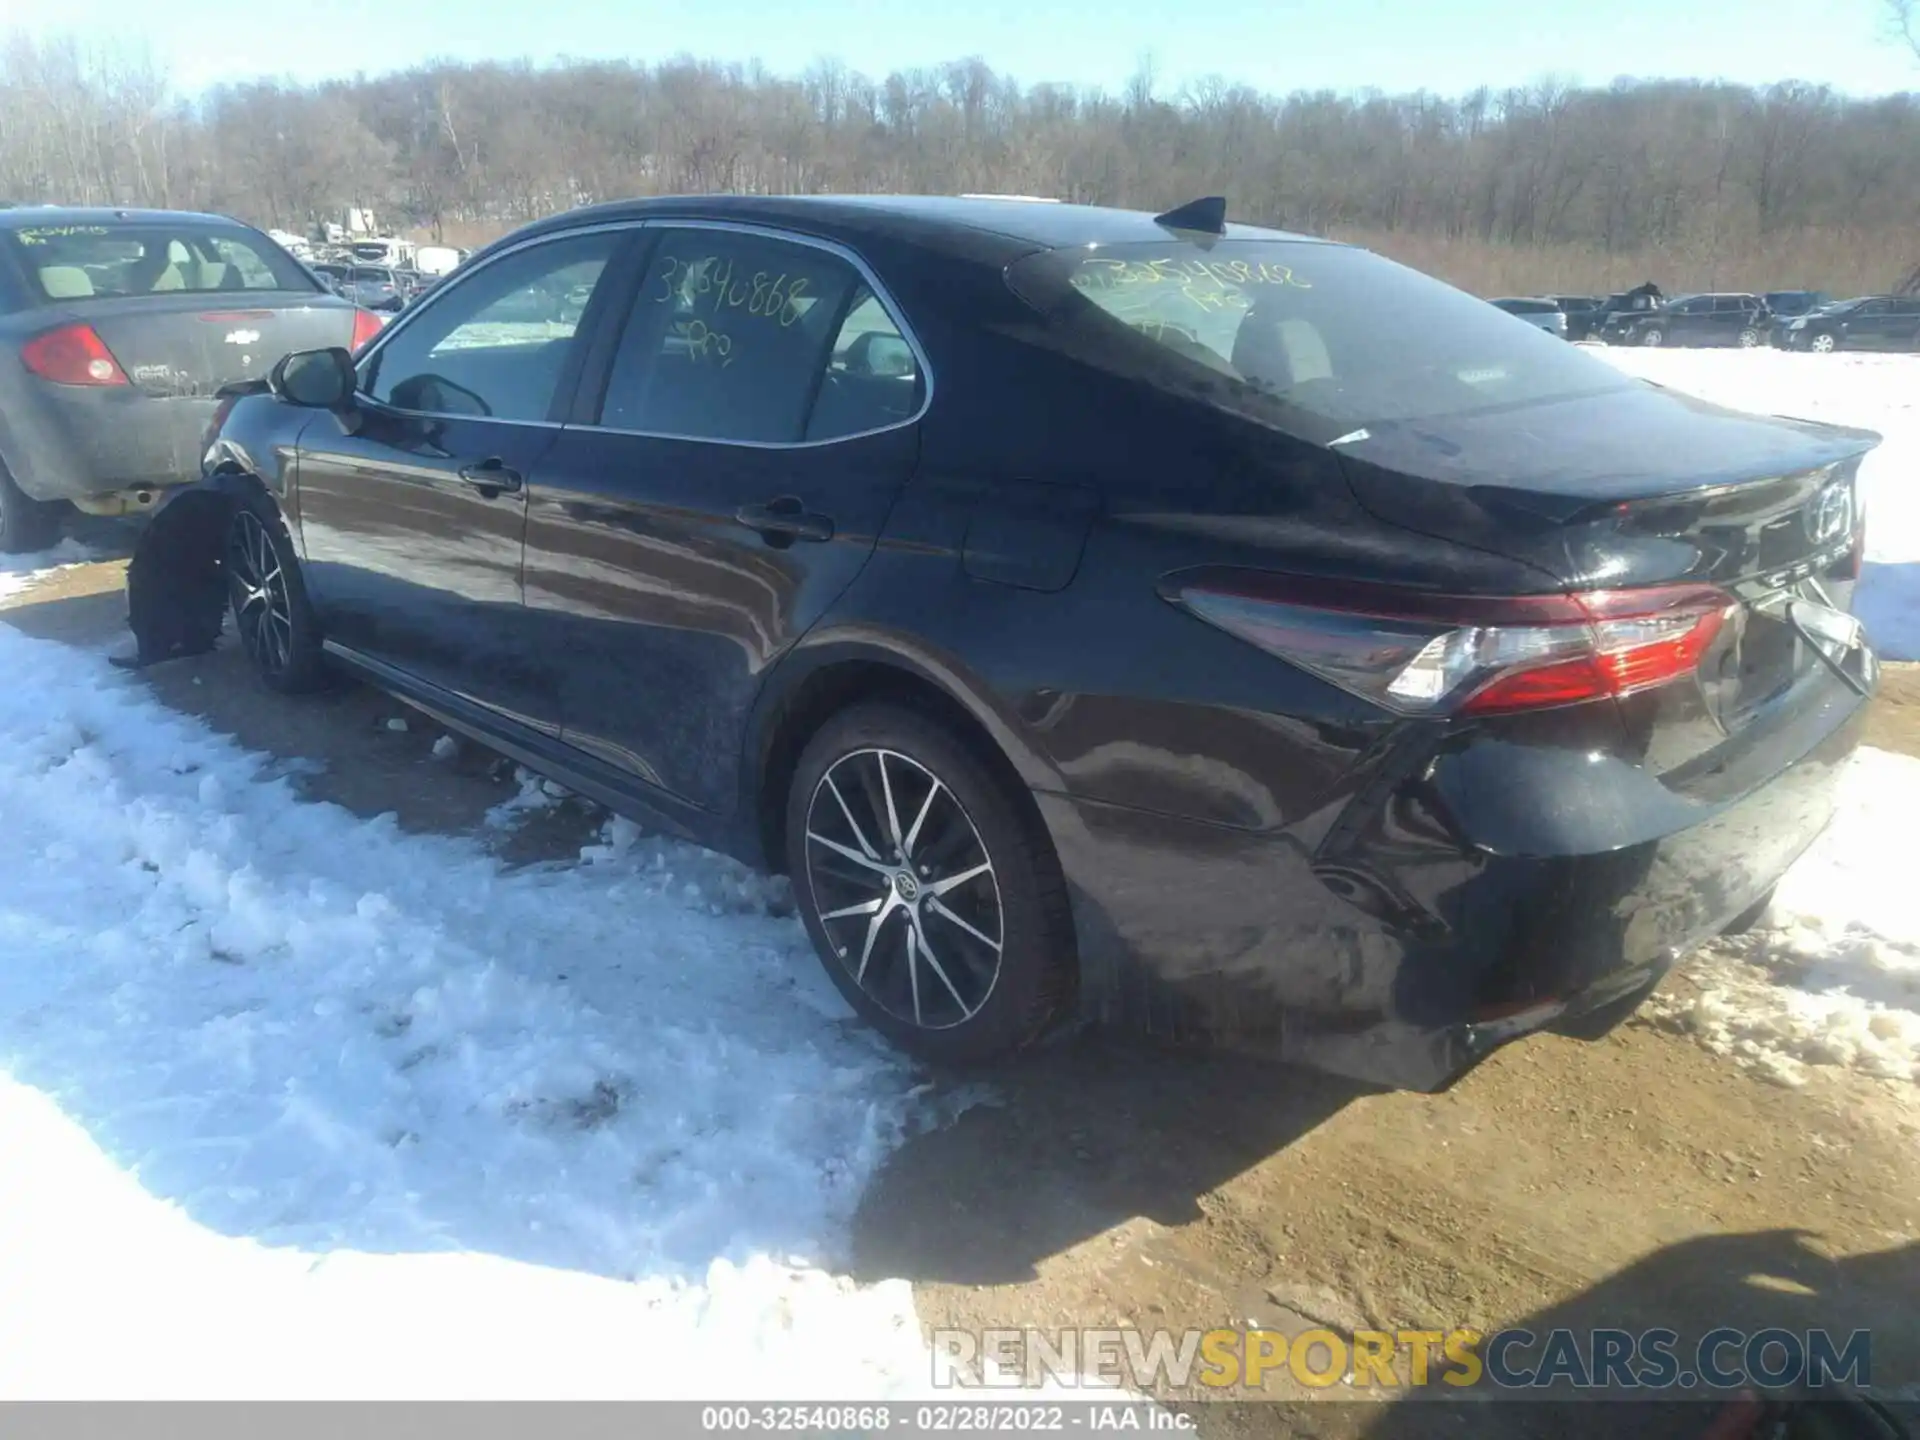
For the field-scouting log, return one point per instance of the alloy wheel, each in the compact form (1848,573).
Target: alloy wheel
(1822,343)
(1749,339)
(904,888)
(262,608)
(1653,337)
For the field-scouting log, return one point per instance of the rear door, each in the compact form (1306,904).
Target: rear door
(1730,315)
(412,517)
(1689,322)
(756,420)
(1903,325)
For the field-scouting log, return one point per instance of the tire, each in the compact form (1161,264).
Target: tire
(277,625)
(1822,345)
(978,871)
(1653,337)
(27,525)
(1750,338)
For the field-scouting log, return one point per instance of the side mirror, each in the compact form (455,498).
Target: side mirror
(317,379)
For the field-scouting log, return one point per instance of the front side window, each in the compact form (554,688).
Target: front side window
(731,336)
(493,343)
(1316,339)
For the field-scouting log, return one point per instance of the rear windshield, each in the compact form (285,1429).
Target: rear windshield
(1316,339)
(71,263)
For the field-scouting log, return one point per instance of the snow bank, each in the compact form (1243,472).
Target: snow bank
(1832,974)
(1875,392)
(297,1105)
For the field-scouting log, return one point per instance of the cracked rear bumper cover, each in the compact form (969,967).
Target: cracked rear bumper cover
(1416,956)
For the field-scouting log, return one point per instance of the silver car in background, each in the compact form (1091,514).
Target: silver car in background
(1546,314)
(117,327)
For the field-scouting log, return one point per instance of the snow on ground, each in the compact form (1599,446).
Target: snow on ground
(1874,392)
(293,1104)
(17,572)
(1832,976)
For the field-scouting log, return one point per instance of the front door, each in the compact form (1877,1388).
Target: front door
(412,512)
(756,426)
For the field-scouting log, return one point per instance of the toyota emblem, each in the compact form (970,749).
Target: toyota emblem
(1830,515)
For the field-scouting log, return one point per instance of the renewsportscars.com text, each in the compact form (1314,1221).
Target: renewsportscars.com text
(1250,1360)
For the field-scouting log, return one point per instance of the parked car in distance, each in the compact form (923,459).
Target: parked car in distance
(1584,313)
(332,278)
(1545,314)
(118,326)
(1726,319)
(1228,658)
(1789,304)
(1872,322)
(1618,309)
(376,287)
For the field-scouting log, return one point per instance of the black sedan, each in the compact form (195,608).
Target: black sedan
(1873,322)
(1096,615)
(1735,319)
(118,326)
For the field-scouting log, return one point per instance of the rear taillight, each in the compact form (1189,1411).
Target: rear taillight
(1421,654)
(366,325)
(72,355)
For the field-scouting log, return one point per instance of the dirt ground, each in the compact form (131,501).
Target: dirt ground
(1636,1181)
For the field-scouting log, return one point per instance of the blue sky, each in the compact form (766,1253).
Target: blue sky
(1442,45)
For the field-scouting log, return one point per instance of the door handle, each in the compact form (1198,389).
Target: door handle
(491,477)
(785,520)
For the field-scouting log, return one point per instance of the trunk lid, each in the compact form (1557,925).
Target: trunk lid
(1638,487)
(192,343)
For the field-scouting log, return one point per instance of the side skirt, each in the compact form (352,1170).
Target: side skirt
(551,757)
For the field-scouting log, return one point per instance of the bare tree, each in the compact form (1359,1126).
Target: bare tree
(1543,187)
(1904,16)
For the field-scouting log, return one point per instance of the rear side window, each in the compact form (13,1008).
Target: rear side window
(493,344)
(751,338)
(72,263)
(1316,339)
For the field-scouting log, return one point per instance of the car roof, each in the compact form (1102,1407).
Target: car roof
(27,216)
(1009,226)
